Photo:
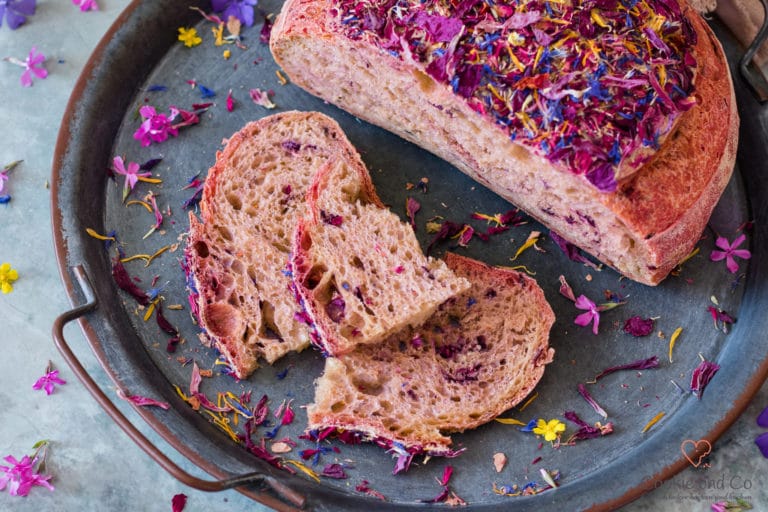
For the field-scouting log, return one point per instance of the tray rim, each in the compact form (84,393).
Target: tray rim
(62,252)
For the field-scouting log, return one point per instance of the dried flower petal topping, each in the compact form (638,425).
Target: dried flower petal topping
(589,85)
(642,364)
(16,12)
(702,375)
(8,276)
(22,475)
(739,505)
(730,251)
(49,381)
(638,326)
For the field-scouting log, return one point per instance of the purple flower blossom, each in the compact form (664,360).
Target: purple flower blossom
(86,5)
(701,377)
(240,9)
(21,475)
(155,127)
(592,314)
(729,251)
(49,381)
(16,12)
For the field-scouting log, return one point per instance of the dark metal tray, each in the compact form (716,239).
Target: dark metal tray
(141,50)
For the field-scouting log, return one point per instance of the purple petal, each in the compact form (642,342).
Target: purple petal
(762,420)
(591,401)
(739,240)
(731,264)
(642,364)
(702,375)
(637,326)
(762,443)
(26,7)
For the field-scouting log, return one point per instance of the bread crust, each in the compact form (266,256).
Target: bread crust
(643,229)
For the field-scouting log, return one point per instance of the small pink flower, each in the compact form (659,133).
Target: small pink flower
(131,173)
(729,251)
(86,5)
(49,381)
(33,65)
(592,314)
(20,477)
(155,127)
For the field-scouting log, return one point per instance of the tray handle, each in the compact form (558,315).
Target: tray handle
(748,69)
(281,490)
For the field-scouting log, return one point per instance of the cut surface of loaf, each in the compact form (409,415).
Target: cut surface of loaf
(359,269)
(664,192)
(237,252)
(481,353)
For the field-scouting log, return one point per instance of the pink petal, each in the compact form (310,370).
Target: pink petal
(26,79)
(722,243)
(742,253)
(739,240)
(717,255)
(40,72)
(731,264)
(584,303)
(584,319)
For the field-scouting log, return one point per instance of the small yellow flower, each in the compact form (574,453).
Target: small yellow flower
(551,429)
(7,276)
(189,37)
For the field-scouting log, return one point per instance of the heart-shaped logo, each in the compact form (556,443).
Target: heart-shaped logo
(695,451)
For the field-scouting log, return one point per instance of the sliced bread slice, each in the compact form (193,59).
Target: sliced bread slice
(359,270)
(237,253)
(481,353)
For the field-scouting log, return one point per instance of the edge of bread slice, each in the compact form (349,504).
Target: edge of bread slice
(480,354)
(358,268)
(237,253)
